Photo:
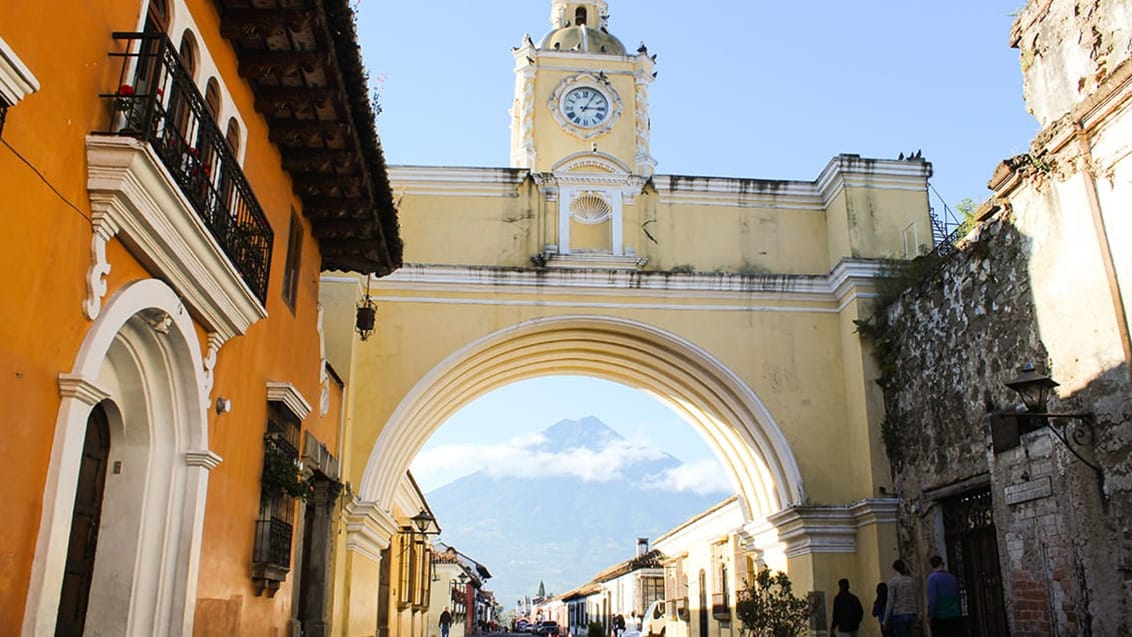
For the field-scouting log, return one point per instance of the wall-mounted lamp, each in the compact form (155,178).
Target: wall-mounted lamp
(366,316)
(223,405)
(1077,431)
(425,524)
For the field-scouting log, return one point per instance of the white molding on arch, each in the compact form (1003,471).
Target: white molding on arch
(712,398)
(167,359)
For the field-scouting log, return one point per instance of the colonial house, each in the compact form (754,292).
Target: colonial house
(705,562)
(175,174)
(458,585)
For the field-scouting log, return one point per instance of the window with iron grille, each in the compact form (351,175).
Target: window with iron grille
(280,479)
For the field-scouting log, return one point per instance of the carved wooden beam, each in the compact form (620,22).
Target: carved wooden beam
(303,133)
(238,24)
(268,99)
(326,184)
(319,161)
(342,228)
(257,65)
(357,209)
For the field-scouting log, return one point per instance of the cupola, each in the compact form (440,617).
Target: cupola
(580,26)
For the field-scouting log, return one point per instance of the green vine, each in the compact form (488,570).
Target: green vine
(281,471)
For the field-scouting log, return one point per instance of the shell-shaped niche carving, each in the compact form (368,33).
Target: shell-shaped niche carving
(590,208)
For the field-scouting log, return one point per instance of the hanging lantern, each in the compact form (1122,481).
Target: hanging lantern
(366,315)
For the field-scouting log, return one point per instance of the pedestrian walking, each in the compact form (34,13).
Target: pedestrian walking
(900,610)
(878,608)
(944,610)
(445,622)
(847,612)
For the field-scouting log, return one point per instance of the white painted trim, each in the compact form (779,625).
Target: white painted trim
(173,519)
(290,397)
(369,529)
(814,529)
(456,182)
(16,79)
(83,389)
(128,185)
(203,458)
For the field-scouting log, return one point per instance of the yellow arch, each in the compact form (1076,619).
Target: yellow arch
(695,384)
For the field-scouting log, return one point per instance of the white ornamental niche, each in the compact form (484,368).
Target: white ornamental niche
(592,188)
(589,206)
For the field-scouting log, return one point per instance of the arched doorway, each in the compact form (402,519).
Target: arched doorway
(85,521)
(139,366)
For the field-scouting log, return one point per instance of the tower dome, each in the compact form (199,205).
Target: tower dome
(579,26)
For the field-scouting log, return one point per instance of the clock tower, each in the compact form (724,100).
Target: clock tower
(580,124)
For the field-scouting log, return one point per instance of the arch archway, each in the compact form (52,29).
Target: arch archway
(141,362)
(709,396)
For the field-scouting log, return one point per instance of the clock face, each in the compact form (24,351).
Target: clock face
(585,107)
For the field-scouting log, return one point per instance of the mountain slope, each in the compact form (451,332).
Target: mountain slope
(527,526)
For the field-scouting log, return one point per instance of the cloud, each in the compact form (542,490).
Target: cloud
(703,477)
(524,458)
(583,464)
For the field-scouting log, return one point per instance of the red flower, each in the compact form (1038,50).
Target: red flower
(125,89)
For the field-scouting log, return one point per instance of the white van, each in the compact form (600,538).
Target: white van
(654,620)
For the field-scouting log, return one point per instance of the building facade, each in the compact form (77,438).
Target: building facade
(1031,512)
(171,183)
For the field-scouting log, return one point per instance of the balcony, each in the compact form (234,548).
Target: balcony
(720,607)
(156,102)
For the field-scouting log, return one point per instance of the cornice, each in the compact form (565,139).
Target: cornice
(810,529)
(85,390)
(843,171)
(290,397)
(128,184)
(827,529)
(854,171)
(16,80)
(845,280)
(446,181)
(368,529)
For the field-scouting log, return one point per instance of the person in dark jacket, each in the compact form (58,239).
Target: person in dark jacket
(878,607)
(847,612)
(445,622)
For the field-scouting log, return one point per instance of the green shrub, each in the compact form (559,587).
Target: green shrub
(595,630)
(767,607)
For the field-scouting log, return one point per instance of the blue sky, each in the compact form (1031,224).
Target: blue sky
(746,88)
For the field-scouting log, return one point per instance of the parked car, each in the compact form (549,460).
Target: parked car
(654,620)
(522,626)
(546,629)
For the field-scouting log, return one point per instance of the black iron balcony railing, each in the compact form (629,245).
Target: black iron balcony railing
(272,543)
(157,102)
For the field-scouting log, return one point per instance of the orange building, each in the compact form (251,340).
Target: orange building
(174,176)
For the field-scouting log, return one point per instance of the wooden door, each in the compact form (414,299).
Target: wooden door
(79,567)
